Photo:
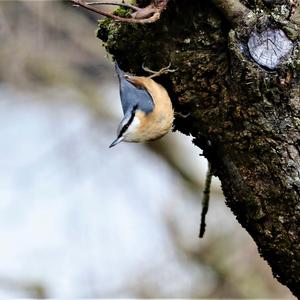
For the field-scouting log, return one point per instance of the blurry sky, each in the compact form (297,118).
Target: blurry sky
(80,220)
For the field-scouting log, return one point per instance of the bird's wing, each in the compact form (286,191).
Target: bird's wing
(133,96)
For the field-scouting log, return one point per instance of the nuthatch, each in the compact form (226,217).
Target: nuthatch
(147,108)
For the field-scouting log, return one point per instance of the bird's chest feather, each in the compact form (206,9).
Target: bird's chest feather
(153,125)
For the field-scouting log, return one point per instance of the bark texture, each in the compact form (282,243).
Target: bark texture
(244,116)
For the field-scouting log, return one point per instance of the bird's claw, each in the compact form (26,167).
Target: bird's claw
(162,71)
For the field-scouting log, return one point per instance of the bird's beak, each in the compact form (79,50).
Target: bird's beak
(117,141)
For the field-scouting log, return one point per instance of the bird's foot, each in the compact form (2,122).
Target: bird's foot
(162,71)
(176,113)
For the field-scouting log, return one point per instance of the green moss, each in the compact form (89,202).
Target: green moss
(123,12)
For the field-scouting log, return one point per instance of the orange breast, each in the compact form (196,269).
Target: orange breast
(157,123)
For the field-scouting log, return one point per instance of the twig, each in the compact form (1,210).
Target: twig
(205,200)
(148,14)
(117,4)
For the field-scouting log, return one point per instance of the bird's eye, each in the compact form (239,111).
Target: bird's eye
(125,127)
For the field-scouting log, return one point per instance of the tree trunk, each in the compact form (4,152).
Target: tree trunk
(237,90)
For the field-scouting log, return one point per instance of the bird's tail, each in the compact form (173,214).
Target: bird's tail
(119,71)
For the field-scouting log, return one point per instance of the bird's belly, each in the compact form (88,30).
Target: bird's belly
(154,129)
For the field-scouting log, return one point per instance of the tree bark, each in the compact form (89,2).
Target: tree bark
(242,107)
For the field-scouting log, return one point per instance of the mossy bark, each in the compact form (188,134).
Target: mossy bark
(244,117)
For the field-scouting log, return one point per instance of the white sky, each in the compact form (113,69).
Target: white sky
(76,216)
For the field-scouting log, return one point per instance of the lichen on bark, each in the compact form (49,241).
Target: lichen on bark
(244,116)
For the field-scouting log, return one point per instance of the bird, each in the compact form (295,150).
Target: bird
(147,108)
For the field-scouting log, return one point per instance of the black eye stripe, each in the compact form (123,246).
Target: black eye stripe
(125,127)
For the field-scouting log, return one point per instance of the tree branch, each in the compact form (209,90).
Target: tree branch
(148,14)
(235,12)
(244,117)
(293,26)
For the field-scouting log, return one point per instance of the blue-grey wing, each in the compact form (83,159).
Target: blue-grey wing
(132,96)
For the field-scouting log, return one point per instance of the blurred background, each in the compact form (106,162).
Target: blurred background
(80,220)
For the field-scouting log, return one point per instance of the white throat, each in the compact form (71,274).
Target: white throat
(133,127)
(131,134)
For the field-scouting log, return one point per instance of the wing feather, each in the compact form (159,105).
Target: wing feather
(133,96)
